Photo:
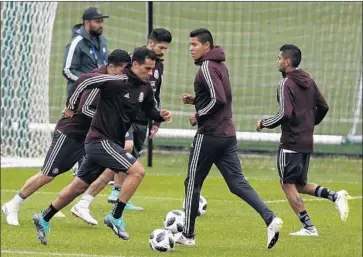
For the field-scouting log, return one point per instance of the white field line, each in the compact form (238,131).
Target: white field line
(60,254)
(178,198)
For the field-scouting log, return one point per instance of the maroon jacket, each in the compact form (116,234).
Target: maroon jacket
(213,95)
(78,125)
(120,99)
(301,106)
(155,81)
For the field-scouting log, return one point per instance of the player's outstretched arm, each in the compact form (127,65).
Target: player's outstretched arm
(151,111)
(98,81)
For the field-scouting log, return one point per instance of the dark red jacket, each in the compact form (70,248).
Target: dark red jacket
(121,97)
(301,107)
(213,95)
(78,125)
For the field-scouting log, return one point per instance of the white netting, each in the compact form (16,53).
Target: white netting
(26,35)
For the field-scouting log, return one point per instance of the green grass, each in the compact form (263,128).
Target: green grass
(329,34)
(230,227)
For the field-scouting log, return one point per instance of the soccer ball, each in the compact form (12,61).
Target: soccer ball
(202,206)
(174,221)
(161,240)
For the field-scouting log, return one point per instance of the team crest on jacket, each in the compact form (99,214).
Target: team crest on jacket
(141,97)
(156,74)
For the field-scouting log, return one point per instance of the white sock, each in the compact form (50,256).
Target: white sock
(17,200)
(85,201)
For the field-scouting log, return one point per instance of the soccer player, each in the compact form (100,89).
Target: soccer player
(301,107)
(215,141)
(120,99)
(68,139)
(158,42)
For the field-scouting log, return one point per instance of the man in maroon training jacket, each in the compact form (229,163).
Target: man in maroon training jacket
(301,107)
(215,141)
(68,139)
(120,99)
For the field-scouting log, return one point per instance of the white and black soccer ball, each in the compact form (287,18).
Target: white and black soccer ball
(202,206)
(161,240)
(174,221)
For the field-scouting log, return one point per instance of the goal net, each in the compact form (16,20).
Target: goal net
(26,35)
(330,35)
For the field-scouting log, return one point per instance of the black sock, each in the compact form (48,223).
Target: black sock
(116,187)
(326,193)
(49,213)
(118,209)
(305,220)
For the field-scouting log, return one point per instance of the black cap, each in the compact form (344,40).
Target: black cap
(93,13)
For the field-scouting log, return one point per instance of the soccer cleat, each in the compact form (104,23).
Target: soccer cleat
(42,227)
(273,232)
(312,231)
(11,213)
(112,198)
(130,206)
(117,225)
(183,240)
(84,214)
(341,203)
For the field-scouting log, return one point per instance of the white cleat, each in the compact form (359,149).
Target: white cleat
(273,232)
(11,213)
(341,203)
(83,214)
(306,232)
(185,241)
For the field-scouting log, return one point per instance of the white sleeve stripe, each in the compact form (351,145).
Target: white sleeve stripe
(70,54)
(86,107)
(280,114)
(84,84)
(209,81)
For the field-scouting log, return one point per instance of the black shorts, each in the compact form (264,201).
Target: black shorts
(293,167)
(102,155)
(137,133)
(63,153)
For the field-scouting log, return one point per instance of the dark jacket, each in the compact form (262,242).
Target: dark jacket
(83,54)
(120,99)
(301,107)
(213,95)
(78,125)
(155,81)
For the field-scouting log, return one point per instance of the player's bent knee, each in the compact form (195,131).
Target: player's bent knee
(137,169)
(79,186)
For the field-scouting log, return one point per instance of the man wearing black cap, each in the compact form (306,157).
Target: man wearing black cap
(87,49)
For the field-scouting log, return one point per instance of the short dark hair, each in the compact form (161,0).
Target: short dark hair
(119,57)
(203,36)
(293,52)
(160,35)
(142,53)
